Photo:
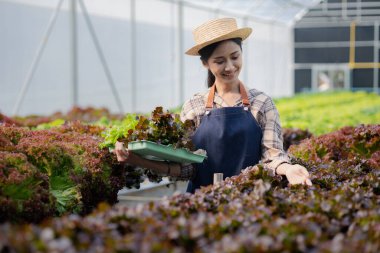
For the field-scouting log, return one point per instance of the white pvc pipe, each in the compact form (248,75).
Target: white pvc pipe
(74,54)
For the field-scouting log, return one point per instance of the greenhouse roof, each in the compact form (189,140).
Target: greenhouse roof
(283,11)
(276,11)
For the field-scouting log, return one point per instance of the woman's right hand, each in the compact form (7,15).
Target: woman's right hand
(121,152)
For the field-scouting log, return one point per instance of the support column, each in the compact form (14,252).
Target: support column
(376,64)
(74,54)
(101,55)
(133,56)
(181,64)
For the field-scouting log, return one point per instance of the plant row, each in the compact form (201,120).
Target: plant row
(99,116)
(53,172)
(319,113)
(325,112)
(67,168)
(252,212)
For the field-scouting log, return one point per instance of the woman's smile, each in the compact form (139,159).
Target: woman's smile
(229,75)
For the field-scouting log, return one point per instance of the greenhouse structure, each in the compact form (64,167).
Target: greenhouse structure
(121,54)
(337,46)
(216,126)
(57,54)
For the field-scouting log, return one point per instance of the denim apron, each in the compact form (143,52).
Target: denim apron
(231,137)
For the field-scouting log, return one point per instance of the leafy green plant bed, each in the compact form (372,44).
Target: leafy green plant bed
(98,116)
(162,128)
(319,113)
(293,136)
(252,212)
(350,145)
(322,113)
(68,168)
(53,172)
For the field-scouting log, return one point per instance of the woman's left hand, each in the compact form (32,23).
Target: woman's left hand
(295,173)
(121,152)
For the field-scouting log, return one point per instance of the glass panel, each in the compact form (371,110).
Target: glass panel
(302,80)
(364,54)
(320,34)
(330,79)
(322,55)
(362,78)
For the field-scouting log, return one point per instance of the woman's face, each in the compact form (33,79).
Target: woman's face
(225,62)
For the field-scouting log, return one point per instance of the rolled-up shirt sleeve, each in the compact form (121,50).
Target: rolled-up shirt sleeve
(194,108)
(273,153)
(191,110)
(188,172)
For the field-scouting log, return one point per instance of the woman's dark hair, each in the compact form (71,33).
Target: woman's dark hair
(207,51)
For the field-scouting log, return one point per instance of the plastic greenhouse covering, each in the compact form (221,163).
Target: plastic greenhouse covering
(129,56)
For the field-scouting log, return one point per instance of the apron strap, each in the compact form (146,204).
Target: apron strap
(210,99)
(211,95)
(244,96)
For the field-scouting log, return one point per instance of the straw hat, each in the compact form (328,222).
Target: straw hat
(216,30)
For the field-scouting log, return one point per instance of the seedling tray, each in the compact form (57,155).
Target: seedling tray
(154,151)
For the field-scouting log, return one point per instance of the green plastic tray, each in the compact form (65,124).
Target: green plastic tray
(154,151)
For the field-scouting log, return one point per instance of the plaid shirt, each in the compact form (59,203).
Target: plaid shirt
(262,109)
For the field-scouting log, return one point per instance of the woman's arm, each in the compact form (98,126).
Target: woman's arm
(161,168)
(175,170)
(273,155)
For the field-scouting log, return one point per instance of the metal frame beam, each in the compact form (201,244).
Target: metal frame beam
(133,51)
(101,55)
(181,61)
(326,5)
(74,53)
(376,58)
(74,78)
(37,58)
(308,20)
(341,14)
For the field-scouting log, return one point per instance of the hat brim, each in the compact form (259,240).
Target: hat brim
(242,33)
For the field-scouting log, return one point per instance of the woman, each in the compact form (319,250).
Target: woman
(236,126)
